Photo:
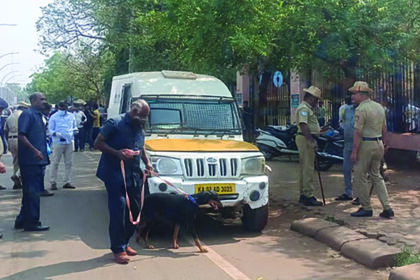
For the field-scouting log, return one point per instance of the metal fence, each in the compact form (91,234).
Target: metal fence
(396,88)
(277,110)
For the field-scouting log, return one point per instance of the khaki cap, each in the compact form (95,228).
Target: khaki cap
(361,87)
(314,91)
(23,104)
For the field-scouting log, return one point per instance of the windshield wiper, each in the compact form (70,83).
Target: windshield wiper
(217,132)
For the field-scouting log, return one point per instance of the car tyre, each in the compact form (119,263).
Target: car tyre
(266,151)
(255,219)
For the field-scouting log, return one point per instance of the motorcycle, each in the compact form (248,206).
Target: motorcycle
(275,141)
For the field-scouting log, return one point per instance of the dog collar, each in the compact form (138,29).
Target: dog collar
(190,198)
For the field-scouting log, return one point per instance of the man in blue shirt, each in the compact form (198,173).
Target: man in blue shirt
(117,136)
(62,126)
(33,157)
(347,118)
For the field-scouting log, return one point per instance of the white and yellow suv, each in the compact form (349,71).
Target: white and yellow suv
(194,139)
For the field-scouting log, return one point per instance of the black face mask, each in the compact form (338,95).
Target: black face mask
(138,123)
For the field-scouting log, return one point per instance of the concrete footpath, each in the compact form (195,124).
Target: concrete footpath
(356,246)
(403,231)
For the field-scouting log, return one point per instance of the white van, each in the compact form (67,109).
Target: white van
(194,140)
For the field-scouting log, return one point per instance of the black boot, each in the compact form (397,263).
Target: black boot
(362,213)
(356,201)
(311,201)
(387,214)
(343,197)
(302,198)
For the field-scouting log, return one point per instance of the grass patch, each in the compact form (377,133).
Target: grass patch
(334,220)
(407,257)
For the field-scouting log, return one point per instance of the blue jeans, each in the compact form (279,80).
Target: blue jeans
(3,139)
(347,168)
(33,184)
(95,132)
(120,227)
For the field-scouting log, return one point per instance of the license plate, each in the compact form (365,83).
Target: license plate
(220,188)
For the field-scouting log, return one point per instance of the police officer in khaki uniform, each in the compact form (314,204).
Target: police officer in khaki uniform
(308,131)
(368,150)
(11,129)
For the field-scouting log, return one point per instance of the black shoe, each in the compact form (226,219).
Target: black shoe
(18,225)
(46,193)
(356,201)
(69,186)
(302,198)
(362,213)
(312,201)
(17,186)
(343,197)
(387,214)
(2,188)
(37,228)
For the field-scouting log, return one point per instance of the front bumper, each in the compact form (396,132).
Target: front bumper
(251,190)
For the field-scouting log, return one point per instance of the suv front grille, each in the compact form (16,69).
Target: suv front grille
(211,167)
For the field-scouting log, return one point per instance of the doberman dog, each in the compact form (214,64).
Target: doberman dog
(177,208)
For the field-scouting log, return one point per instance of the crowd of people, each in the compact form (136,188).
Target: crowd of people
(68,130)
(35,134)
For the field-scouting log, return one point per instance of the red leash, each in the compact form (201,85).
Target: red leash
(136,222)
(146,172)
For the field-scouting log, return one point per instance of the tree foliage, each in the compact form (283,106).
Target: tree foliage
(220,37)
(67,76)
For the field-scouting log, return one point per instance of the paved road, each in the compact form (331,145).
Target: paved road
(76,247)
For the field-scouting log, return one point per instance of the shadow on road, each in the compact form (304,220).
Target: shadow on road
(59,269)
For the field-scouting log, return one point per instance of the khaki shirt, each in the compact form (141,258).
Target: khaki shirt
(12,123)
(305,114)
(370,118)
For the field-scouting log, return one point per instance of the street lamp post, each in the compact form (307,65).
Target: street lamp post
(10,78)
(8,74)
(8,64)
(6,54)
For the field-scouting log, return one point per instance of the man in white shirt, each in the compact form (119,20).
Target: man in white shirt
(80,120)
(62,126)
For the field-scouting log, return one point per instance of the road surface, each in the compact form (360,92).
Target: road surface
(77,246)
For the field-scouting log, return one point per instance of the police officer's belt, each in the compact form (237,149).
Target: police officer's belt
(313,135)
(14,136)
(372,138)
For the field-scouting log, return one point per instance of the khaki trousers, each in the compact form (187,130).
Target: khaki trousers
(369,159)
(306,161)
(66,151)
(13,148)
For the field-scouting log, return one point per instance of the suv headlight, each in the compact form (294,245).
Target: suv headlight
(253,166)
(167,165)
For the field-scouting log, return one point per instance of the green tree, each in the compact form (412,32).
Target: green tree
(67,76)
(219,37)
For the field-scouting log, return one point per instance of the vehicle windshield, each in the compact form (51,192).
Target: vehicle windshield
(193,116)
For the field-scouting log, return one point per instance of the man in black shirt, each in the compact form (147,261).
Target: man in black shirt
(88,129)
(33,158)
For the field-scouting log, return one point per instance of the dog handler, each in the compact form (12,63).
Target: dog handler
(117,137)
(308,130)
(368,150)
